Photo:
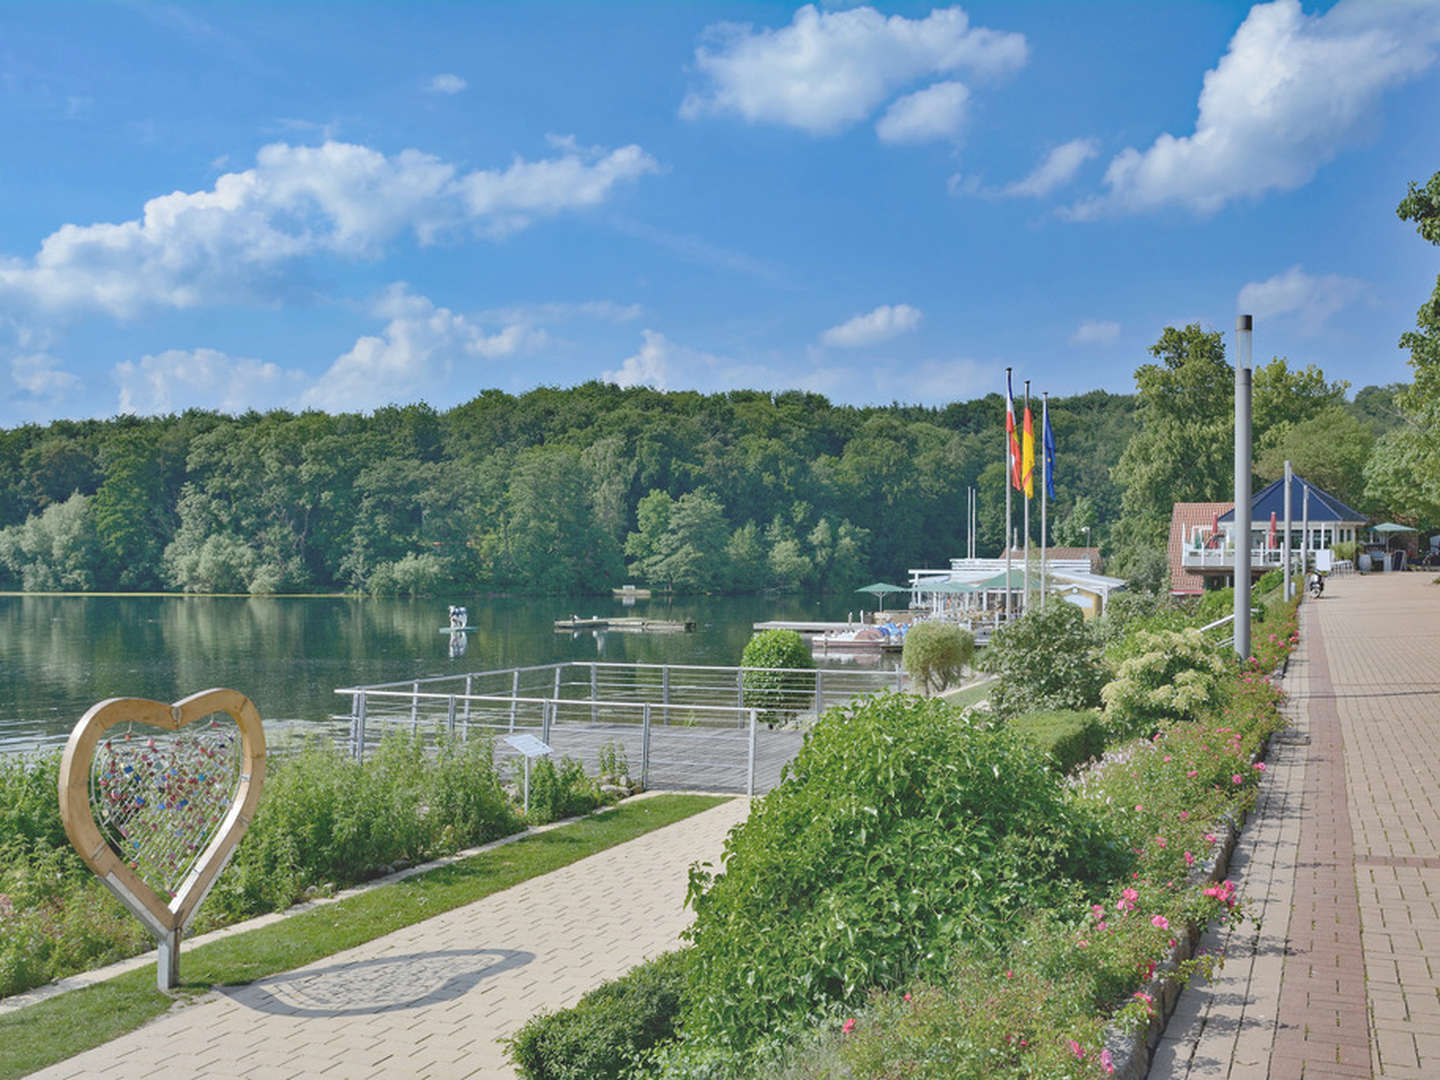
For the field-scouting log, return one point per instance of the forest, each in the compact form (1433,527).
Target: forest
(581,489)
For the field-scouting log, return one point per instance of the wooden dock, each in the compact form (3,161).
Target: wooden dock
(629,624)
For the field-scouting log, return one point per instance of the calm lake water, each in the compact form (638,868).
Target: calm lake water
(61,654)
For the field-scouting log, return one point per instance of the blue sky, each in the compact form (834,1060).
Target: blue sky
(342,205)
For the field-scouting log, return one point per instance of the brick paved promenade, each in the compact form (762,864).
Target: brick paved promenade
(1341,860)
(431,1000)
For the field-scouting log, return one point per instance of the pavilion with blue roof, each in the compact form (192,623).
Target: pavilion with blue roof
(1205,549)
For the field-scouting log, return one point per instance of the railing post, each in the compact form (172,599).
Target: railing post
(358,728)
(739,688)
(665,684)
(514,694)
(899,679)
(594,685)
(450,719)
(469,689)
(547,717)
(645,749)
(819,691)
(414,707)
(750,766)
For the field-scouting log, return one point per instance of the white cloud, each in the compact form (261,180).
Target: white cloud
(446,84)
(937,112)
(423,352)
(827,71)
(1310,298)
(1289,94)
(179,379)
(882,324)
(236,240)
(1095,332)
(420,353)
(35,372)
(1058,169)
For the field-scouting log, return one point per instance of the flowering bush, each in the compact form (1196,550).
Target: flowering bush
(1174,675)
(903,829)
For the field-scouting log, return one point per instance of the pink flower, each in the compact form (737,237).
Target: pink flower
(1106,1063)
(1259,766)
(1127,900)
(1237,779)
(848,1026)
(1139,809)
(1075,1048)
(1211,838)
(1189,859)
(907,997)
(1159,841)
(1184,815)
(1167,757)
(1192,774)
(1161,921)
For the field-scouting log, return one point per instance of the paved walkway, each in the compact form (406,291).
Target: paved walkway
(1341,862)
(432,999)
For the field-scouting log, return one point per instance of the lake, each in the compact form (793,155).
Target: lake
(61,654)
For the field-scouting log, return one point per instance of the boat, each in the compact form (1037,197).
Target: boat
(885,638)
(630,592)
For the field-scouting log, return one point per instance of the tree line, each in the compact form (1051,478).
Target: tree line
(579,489)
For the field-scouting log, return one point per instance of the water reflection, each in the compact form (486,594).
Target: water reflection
(59,655)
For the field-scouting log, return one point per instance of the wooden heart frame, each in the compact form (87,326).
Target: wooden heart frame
(167,921)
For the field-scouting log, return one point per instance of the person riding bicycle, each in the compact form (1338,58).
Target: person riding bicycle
(1315,582)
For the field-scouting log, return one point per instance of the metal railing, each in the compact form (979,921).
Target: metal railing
(684,726)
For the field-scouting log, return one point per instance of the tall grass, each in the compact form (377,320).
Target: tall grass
(324,822)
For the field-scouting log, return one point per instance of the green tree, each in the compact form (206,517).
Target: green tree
(54,550)
(1404,471)
(1184,449)
(1329,449)
(131,512)
(1282,398)
(936,653)
(555,544)
(680,542)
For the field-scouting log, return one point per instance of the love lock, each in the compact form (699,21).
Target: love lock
(156,814)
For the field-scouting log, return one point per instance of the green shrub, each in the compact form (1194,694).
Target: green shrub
(1068,738)
(325,819)
(902,827)
(1046,659)
(562,792)
(1215,604)
(1270,581)
(936,653)
(777,692)
(29,805)
(599,1036)
(1173,676)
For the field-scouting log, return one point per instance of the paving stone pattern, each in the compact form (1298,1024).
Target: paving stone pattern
(432,999)
(1341,860)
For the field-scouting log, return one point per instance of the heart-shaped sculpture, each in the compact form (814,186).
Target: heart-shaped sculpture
(158,816)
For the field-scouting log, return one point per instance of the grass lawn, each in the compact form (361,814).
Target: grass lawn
(969,695)
(61,1027)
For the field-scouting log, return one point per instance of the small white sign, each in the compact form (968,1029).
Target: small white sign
(528,745)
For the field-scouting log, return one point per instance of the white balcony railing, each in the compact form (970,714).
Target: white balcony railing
(1223,558)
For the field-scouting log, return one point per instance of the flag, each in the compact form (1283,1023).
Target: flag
(1049,436)
(1015,480)
(1027,454)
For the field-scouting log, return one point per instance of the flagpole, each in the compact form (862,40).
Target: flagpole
(1009,484)
(1027,507)
(1044,479)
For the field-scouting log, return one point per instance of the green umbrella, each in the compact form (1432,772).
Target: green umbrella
(879,589)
